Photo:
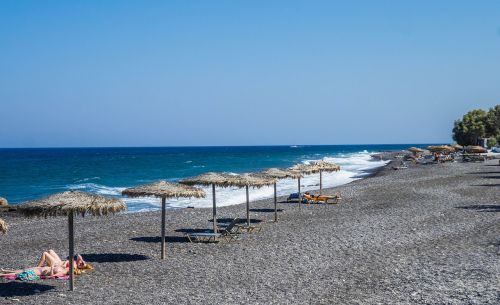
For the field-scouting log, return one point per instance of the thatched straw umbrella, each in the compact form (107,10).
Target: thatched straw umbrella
(277,173)
(247,180)
(3,201)
(305,169)
(415,150)
(475,149)
(210,179)
(457,147)
(71,203)
(441,148)
(163,190)
(324,166)
(225,180)
(3,226)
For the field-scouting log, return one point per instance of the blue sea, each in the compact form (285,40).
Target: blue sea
(31,173)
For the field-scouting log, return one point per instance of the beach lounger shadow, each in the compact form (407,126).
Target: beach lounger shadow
(113,257)
(240,220)
(481,207)
(482,173)
(157,239)
(190,231)
(21,289)
(493,184)
(265,210)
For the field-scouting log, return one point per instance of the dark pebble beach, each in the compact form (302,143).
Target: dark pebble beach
(428,234)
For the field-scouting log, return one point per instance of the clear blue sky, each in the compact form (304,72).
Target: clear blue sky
(170,73)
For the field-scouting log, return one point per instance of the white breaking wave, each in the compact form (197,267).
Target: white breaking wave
(353,167)
(97,189)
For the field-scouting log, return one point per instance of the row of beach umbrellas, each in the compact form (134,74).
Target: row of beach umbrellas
(71,203)
(448,149)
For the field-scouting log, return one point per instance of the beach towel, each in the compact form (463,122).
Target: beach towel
(43,277)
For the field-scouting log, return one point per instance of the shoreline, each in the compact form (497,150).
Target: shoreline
(421,235)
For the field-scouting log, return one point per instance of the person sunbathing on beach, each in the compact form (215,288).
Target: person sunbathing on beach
(323,198)
(50,259)
(32,274)
(49,265)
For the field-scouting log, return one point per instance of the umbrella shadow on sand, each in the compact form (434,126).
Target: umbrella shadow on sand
(481,207)
(20,289)
(113,257)
(240,220)
(265,210)
(157,239)
(193,230)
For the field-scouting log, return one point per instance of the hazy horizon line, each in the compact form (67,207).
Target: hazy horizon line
(193,146)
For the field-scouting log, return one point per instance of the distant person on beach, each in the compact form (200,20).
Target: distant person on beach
(436,157)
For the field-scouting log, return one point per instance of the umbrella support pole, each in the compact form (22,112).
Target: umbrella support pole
(248,207)
(163,208)
(275,204)
(300,197)
(71,251)
(214,208)
(320,182)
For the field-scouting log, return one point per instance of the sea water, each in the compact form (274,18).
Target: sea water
(27,174)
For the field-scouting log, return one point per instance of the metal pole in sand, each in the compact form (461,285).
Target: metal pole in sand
(320,181)
(299,194)
(248,207)
(163,208)
(275,204)
(214,208)
(71,252)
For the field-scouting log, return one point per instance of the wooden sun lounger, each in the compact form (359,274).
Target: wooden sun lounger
(227,233)
(231,229)
(206,237)
(248,228)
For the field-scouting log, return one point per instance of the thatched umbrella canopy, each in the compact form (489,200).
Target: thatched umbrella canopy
(457,147)
(441,148)
(305,169)
(324,166)
(71,203)
(163,190)
(277,173)
(213,179)
(3,201)
(476,149)
(415,150)
(3,226)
